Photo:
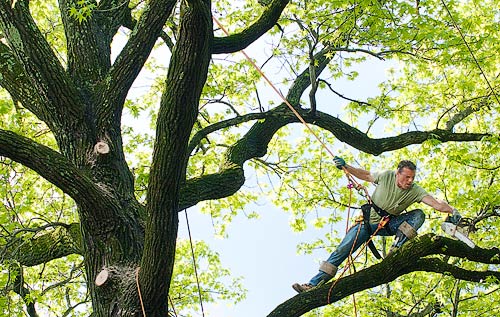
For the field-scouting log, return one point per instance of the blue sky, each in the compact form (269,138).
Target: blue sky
(263,251)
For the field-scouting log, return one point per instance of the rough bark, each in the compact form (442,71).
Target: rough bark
(178,111)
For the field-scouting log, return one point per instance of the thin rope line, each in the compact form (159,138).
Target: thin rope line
(139,291)
(350,186)
(470,51)
(194,264)
(172,304)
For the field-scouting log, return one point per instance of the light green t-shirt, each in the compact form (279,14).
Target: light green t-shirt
(390,197)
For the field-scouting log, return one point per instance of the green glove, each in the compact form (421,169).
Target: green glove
(339,162)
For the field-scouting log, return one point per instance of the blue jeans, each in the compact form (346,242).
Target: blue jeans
(414,218)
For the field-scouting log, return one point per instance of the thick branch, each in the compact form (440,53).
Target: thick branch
(30,249)
(15,81)
(200,135)
(239,41)
(363,142)
(186,77)
(213,186)
(411,258)
(255,142)
(89,40)
(59,171)
(131,59)
(47,75)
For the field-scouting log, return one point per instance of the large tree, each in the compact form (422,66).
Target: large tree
(67,86)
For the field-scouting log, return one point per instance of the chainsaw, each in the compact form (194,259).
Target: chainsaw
(459,228)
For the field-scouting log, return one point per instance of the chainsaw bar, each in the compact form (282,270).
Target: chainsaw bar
(456,232)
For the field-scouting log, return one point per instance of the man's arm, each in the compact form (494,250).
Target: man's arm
(439,205)
(356,172)
(360,173)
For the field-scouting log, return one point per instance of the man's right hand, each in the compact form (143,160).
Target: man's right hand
(339,162)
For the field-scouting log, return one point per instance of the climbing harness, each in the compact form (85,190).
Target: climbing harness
(366,210)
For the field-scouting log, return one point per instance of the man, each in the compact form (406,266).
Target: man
(395,192)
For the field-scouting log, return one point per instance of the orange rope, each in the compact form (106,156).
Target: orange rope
(139,291)
(381,224)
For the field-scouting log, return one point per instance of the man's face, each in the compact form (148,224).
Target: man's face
(404,179)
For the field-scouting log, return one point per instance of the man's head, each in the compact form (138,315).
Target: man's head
(405,175)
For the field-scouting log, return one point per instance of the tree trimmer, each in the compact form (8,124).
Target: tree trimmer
(458,228)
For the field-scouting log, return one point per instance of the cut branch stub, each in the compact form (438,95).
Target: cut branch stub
(102,277)
(101,148)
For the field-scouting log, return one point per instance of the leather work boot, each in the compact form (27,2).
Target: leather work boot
(300,288)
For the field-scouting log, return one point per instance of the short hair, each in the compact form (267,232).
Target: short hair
(408,164)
